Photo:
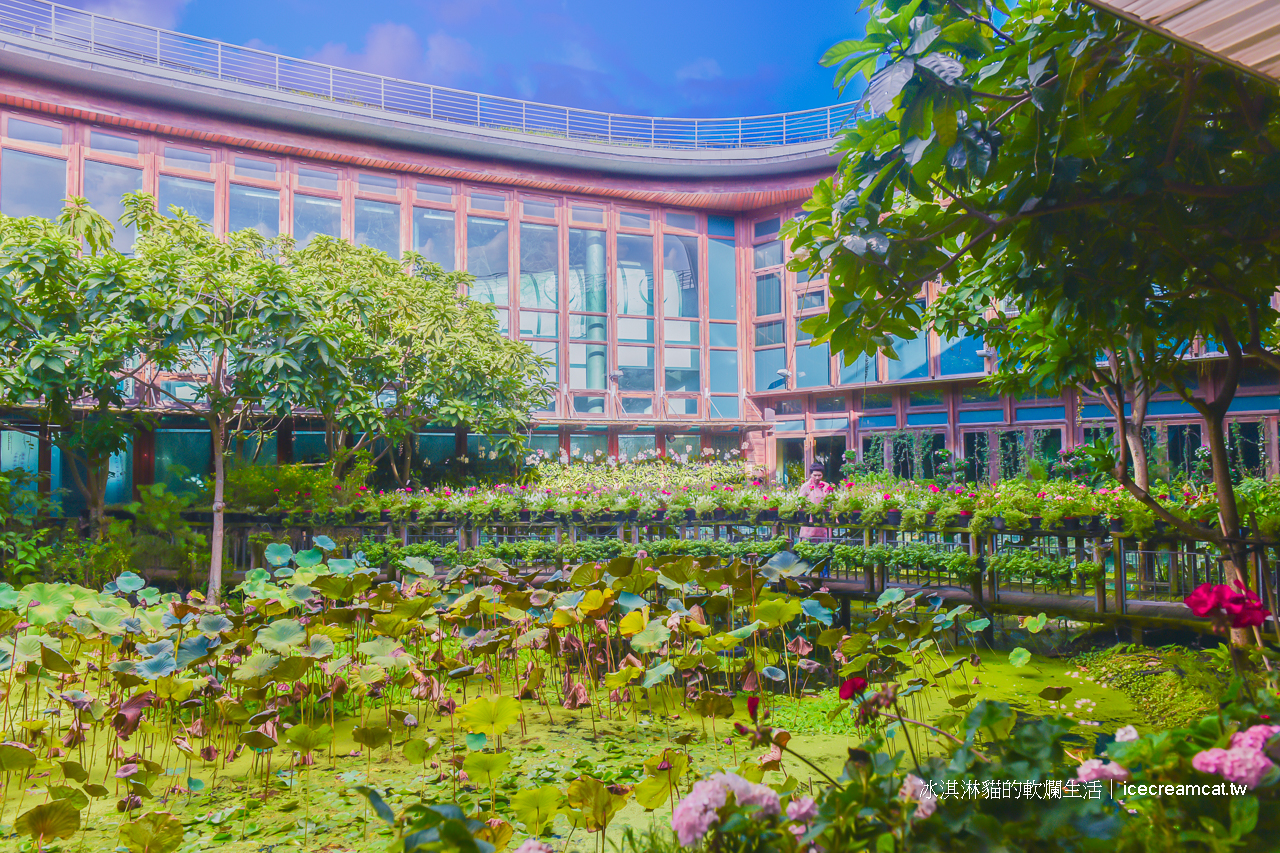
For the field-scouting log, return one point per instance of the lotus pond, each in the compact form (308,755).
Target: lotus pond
(319,708)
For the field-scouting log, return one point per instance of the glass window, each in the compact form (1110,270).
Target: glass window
(862,369)
(791,407)
(634,219)
(487,259)
(723,334)
(635,275)
(680,332)
(313,216)
(720,226)
(253,207)
(31,185)
(722,280)
(682,405)
(725,408)
(588,365)
(768,294)
(685,445)
(682,369)
(636,406)
(632,446)
(813,366)
(685,221)
(768,254)
(488,201)
(384,184)
(433,236)
(104,186)
(185,158)
(125,145)
(538,207)
(588,405)
(195,197)
(961,355)
(768,363)
(913,358)
(248,167)
(831,404)
(378,225)
(631,329)
(637,368)
(811,300)
(434,192)
(318,179)
(593,215)
(978,394)
(540,324)
(680,294)
(723,371)
(877,400)
(588,327)
(925,397)
(31,131)
(582,446)
(770,334)
(539,266)
(588,285)
(549,350)
(767,227)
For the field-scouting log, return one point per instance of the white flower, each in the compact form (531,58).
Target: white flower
(688,448)
(576,451)
(1127,734)
(493,454)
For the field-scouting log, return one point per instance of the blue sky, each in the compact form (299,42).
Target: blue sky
(653,57)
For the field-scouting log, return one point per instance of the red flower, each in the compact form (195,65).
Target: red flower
(1239,607)
(1206,598)
(753,706)
(852,687)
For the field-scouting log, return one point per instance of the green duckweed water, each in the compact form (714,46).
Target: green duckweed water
(245,808)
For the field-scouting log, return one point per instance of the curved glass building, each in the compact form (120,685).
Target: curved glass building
(639,255)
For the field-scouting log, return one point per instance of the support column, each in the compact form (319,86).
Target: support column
(44,462)
(597,300)
(144,459)
(284,443)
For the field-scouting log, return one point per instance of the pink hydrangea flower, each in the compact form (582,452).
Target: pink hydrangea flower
(1126,734)
(1096,769)
(1245,766)
(694,816)
(1255,737)
(915,788)
(533,845)
(802,810)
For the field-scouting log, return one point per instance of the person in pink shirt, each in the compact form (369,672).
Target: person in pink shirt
(816,491)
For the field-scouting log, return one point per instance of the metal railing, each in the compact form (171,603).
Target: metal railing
(150,46)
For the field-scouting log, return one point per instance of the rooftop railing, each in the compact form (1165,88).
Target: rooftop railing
(157,48)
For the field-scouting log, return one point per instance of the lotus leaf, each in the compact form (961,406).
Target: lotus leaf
(282,635)
(157,832)
(57,819)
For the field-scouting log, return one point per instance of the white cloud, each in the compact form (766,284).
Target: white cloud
(395,50)
(157,13)
(703,68)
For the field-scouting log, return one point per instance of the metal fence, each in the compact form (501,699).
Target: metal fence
(162,49)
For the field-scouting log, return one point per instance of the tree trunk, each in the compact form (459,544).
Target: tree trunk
(96,482)
(218,534)
(1138,453)
(1235,558)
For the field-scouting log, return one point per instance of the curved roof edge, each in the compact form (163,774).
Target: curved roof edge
(136,81)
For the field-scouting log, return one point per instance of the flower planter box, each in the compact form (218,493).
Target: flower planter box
(525,515)
(1034,522)
(767,515)
(718,515)
(1117,525)
(893,517)
(998,524)
(690,515)
(1071,523)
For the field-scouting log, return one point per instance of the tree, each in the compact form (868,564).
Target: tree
(1109,188)
(412,352)
(227,323)
(66,336)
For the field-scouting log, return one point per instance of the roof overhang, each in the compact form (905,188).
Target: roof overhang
(1241,33)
